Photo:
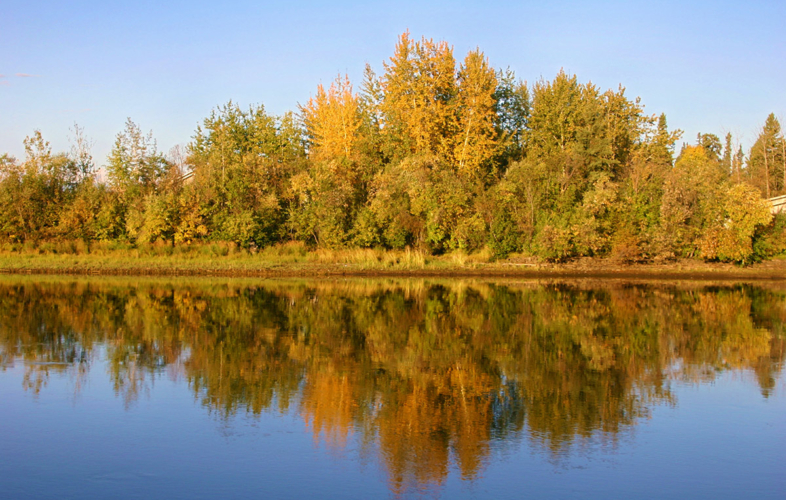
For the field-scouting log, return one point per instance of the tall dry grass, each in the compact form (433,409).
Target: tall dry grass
(101,255)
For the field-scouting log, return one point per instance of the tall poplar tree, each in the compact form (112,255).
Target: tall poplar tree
(135,167)
(332,120)
(766,163)
(419,87)
(334,186)
(476,142)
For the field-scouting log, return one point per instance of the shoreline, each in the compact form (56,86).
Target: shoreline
(434,267)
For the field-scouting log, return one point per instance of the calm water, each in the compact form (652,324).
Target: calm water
(113,388)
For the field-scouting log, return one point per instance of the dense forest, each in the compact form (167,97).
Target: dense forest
(434,154)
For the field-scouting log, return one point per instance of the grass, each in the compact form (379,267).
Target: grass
(292,257)
(295,259)
(75,256)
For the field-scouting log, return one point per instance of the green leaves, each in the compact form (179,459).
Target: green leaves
(433,154)
(243,162)
(135,167)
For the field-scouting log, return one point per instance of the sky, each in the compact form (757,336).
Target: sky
(711,66)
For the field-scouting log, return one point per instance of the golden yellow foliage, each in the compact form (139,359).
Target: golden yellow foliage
(730,237)
(332,121)
(476,141)
(419,86)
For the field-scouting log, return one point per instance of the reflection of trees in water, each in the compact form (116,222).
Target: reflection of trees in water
(432,373)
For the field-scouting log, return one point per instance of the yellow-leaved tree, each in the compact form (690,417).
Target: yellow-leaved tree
(419,87)
(729,236)
(333,185)
(332,120)
(476,141)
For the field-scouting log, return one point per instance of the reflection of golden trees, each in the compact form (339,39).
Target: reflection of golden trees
(421,425)
(330,406)
(431,372)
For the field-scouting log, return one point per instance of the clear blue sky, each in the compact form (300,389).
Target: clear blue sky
(711,66)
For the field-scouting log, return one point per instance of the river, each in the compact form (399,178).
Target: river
(391,388)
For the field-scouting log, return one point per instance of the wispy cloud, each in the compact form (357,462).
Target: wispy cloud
(5,83)
(2,76)
(26,75)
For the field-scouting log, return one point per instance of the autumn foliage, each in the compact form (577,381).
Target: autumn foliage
(436,154)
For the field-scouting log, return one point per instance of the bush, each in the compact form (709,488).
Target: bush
(504,238)
(770,241)
(729,237)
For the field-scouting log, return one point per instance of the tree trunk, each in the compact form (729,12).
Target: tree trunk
(783,158)
(766,169)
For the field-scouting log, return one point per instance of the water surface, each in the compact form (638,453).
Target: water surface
(202,388)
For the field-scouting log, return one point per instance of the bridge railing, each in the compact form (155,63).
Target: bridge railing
(777,204)
(187,177)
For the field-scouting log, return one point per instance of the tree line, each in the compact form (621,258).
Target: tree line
(433,153)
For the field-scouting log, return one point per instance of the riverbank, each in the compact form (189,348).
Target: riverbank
(293,260)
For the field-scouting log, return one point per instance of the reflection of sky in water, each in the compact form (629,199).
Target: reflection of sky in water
(713,435)
(722,440)
(164,445)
